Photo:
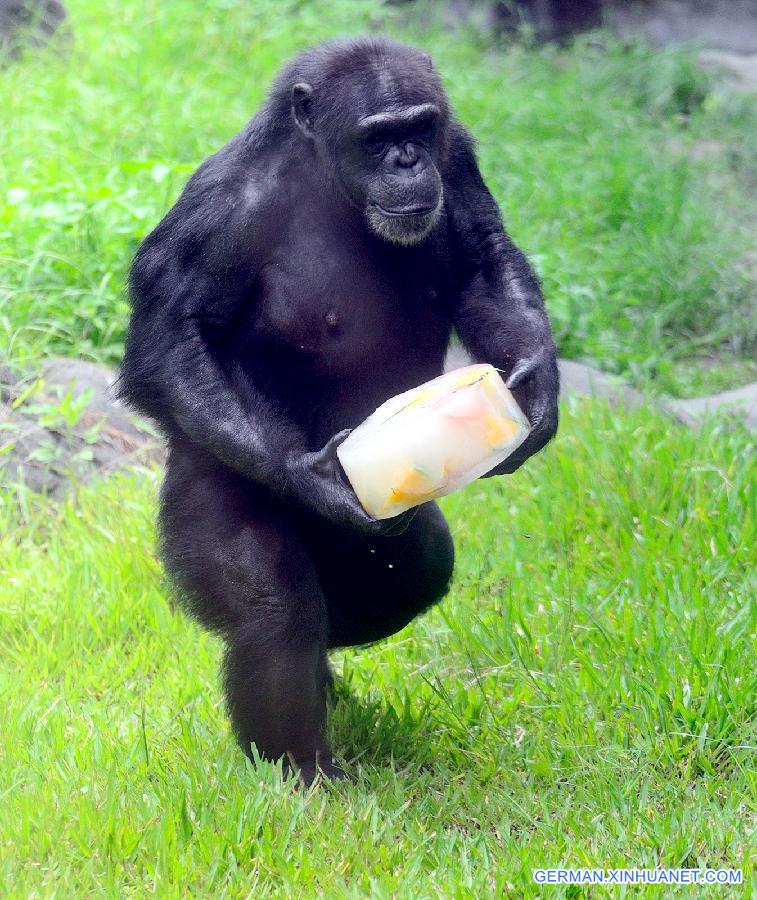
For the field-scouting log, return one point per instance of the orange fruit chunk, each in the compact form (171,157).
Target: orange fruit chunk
(499,430)
(413,486)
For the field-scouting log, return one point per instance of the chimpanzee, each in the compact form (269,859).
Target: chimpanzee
(313,267)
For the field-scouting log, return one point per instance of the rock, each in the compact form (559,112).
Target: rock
(30,23)
(549,20)
(742,402)
(577,379)
(728,25)
(80,376)
(722,24)
(556,20)
(7,381)
(69,428)
(741,69)
(22,440)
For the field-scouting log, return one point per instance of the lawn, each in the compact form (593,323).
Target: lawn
(587,693)
(584,696)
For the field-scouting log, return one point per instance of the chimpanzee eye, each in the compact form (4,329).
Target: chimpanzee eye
(377,144)
(426,134)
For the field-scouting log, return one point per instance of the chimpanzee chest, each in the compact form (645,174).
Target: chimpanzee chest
(353,308)
(341,323)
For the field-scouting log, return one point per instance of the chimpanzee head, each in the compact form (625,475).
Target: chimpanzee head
(377,114)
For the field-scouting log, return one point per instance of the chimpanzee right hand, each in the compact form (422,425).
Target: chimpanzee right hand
(319,483)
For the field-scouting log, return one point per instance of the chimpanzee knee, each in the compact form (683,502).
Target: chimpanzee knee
(374,587)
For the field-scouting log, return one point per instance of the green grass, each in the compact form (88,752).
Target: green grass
(585,695)
(594,154)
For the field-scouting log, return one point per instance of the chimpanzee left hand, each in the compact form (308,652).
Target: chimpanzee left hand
(534,383)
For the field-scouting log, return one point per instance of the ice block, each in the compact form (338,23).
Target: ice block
(432,440)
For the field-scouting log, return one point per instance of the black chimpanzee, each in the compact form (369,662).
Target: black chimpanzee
(313,267)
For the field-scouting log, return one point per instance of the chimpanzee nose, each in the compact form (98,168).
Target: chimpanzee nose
(407,157)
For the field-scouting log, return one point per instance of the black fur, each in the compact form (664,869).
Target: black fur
(312,268)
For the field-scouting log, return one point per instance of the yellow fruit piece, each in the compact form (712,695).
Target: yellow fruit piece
(469,376)
(499,430)
(488,387)
(421,397)
(414,486)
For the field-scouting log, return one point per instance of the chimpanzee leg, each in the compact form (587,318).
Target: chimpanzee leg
(375,586)
(243,571)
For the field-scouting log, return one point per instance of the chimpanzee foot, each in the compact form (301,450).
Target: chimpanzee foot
(310,768)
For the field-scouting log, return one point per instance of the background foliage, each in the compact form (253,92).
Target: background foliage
(621,171)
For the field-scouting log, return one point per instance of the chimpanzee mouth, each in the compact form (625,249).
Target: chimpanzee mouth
(406,212)
(406,225)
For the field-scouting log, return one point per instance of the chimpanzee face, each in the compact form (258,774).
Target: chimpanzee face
(383,150)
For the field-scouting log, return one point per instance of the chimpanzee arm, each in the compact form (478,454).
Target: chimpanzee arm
(171,370)
(500,314)
(188,282)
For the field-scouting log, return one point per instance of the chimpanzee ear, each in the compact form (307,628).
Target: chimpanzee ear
(302,107)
